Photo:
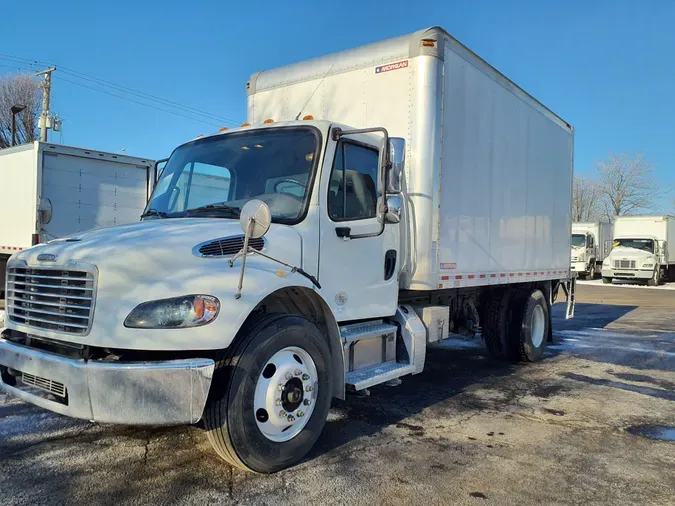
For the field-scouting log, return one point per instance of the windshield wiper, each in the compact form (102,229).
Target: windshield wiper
(221,206)
(153,212)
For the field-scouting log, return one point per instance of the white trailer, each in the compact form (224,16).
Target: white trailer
(643,250)
(50,190)
(591,243)
(291,260)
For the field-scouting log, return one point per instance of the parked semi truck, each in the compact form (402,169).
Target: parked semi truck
(591,243)
(50,190)
(376,200)
(643,250)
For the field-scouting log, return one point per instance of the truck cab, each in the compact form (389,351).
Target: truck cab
(583,255)
(637,258)
(131,324)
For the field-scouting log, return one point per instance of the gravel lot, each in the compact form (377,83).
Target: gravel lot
(466,431)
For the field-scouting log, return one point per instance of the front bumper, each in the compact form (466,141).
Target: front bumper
(149,393)
(579,267)
(641,274)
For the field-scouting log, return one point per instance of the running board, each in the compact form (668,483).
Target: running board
(362,331)
(376,374)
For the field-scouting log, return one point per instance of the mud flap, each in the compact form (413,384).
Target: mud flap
(569,287)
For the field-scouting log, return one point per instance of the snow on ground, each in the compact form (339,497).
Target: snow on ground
(626,284)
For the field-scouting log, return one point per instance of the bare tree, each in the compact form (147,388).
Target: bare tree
(585,200)
(627,185)
(19,90)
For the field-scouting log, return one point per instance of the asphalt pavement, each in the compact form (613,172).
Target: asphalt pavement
(571,429)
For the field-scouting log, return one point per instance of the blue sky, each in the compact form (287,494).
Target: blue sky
(606,66)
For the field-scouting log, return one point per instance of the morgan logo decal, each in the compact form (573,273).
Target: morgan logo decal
(452,265)
(46,257)
(392,66)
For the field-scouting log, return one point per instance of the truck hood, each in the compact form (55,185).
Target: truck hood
(622,253)
(161,242)
(159,259)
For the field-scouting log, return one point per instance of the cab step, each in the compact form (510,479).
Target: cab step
(362,331)
(376,374)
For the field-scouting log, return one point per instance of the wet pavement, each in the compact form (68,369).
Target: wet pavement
(585,425)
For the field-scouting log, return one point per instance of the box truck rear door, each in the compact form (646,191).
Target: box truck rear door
(88,193)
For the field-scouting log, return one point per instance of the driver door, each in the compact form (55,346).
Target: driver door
(358,257)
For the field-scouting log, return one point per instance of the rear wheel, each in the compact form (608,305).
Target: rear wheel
(271,396)
(606,280)
(529,327)
(496,324)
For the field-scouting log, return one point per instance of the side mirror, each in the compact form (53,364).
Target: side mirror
(394,209)
(45,211)
(397,158)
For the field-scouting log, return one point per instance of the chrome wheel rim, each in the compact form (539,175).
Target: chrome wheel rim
(285,394)
(538,324)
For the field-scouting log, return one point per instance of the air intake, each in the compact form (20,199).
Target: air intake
(227,246)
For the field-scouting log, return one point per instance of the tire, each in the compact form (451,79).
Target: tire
(654,280)
(591,271)
(496,324)
(529,327)
(581,275)
(233,419)
(607,281)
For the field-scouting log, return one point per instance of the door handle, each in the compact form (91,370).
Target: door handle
(343,232)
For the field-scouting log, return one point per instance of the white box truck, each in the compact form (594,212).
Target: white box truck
(50,190)
(643,250)
(591,243)
(379,199)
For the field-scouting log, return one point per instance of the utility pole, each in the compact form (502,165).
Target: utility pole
(46,91)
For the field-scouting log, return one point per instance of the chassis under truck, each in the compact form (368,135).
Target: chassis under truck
(289,261)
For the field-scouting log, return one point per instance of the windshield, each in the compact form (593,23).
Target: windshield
(216,176)
(578,240)
(643,244)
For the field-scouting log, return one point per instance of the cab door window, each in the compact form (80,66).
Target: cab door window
(352,192)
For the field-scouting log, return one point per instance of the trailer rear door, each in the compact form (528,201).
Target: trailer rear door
(88,193)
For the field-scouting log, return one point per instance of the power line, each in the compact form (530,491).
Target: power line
(135,101)
(147,96)
(14,67)
(124,89)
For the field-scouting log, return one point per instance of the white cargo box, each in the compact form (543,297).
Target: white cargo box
(601,232)
(488,167)
(84,188)
(662,228)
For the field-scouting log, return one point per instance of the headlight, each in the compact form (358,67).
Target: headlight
(179,312)
(647,266)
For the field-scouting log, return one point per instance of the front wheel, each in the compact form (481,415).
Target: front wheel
(591,271)
(271,396)
(654,280)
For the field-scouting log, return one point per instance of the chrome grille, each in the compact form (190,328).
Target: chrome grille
(229,246)
(624,264)
(53,387)
(51,299)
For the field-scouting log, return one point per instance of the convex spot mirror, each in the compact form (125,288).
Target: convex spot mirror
(255,218)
